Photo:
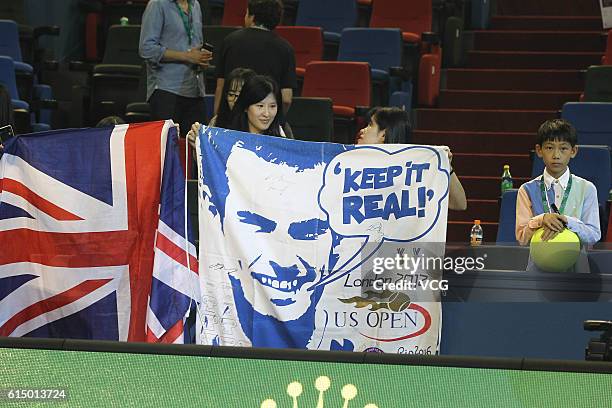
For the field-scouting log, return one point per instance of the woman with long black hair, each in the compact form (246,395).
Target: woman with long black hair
(256,110)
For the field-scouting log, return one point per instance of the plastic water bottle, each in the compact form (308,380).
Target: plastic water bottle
(506,179)
(476,234)
(124,21)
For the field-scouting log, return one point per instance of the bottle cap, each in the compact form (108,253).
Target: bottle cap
(506,166)
(477,222)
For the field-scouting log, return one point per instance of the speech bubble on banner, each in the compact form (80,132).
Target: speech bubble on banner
(398,202)
(393,193)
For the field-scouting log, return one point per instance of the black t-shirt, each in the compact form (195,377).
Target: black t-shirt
(262,51)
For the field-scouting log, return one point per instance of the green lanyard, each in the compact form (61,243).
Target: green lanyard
(186,20)
(565,195)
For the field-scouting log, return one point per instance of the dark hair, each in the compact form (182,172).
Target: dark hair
(255,90)
(267,13)
(224,115)
(110,121)
(394,121)
(557,129)
(6,109)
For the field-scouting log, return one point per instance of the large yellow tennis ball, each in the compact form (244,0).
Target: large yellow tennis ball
(557,254)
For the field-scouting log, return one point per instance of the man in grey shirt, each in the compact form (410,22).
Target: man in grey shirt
(171,43)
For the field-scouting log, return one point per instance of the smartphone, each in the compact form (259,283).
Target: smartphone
(208,47)
(6,132)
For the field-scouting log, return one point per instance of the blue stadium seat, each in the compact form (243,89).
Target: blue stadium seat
(591,163)
(44,92)
(507,218)
(364,45)
(592,121)
(331,16)
(7,78)
(9,45)
(402,100)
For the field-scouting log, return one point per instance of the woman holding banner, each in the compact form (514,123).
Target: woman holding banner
(392,125)
(255,110)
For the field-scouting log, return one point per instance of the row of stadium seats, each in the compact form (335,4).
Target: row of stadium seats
(389,78)
(119,81)
(427,87)
(30,100)
(412,17)
(29,36)
(20,52)
(415,52)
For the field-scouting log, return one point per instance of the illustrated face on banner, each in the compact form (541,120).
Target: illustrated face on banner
(279,230)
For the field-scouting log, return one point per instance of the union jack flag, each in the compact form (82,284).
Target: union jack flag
(92,235)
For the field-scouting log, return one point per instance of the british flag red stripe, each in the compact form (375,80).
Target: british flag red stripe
(78,230)
(175,252)
(172,335)
(53,210)
(51,303)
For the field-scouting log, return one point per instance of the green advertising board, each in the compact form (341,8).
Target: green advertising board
(106,379)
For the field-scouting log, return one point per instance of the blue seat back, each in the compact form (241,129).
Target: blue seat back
(209,105)
(592,120)
(331,16)
(44,92)
(381,47)
(481,13)
(402,99)
(591,163)
(9,40)
(600,261)
(507,218)
(7,76)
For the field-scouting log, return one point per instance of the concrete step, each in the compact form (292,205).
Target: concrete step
(491,164)
(481,120)
(477,142)
(546,23)
(496,99)
(515,79)
(532,59)
(510,40)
